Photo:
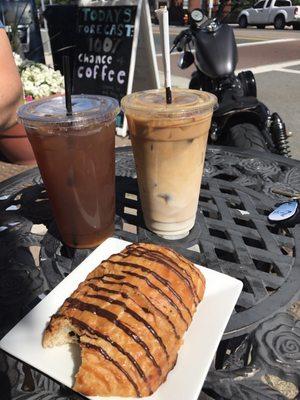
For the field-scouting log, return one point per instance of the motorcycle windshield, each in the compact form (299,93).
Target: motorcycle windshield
(216,52)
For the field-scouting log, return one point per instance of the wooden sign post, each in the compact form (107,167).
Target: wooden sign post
(114,51)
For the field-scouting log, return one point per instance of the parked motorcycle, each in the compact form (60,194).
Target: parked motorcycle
(241,120)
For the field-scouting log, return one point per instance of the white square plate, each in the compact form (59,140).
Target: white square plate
(201,340)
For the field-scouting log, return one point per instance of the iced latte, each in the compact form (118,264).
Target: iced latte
(169,144)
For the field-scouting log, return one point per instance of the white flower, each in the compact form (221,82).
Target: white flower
(39,80)
(43,91)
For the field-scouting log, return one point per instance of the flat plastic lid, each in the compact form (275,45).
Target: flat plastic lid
(186,102)
(86,109)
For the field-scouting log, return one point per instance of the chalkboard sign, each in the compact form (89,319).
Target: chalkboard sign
(102,60)
(61,24)
(113,49)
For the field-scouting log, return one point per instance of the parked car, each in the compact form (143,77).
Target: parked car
(271,12)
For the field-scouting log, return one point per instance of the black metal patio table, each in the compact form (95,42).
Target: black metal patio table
(259,356)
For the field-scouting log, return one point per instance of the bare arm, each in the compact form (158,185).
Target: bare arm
(10,84)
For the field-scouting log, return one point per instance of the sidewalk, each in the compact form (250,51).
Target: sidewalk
(8,170)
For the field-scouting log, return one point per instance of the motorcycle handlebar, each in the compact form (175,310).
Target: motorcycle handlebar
(185,36)
(181,40)
(180,36)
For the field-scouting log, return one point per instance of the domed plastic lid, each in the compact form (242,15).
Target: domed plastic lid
(185,102)
(86,109)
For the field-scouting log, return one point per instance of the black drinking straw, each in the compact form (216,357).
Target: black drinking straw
(67,76)
(168,95)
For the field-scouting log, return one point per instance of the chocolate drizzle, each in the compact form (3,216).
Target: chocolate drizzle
(165,316)
(117,277)
(82,306)
(189,264)
(169,263)
(86,328)
(150,284)
(112,282)
(134,315)
(162,280)
(107,357)
(98,288)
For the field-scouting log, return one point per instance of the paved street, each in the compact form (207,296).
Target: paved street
(274,57)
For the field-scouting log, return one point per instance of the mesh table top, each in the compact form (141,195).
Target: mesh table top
(231,235)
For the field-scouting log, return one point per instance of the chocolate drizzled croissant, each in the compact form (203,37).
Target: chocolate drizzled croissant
(129,317)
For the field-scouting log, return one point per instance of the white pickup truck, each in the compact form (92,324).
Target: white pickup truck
(271,12)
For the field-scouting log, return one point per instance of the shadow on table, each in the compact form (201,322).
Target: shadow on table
(128,206)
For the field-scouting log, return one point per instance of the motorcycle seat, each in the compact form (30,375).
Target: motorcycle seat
(234,103)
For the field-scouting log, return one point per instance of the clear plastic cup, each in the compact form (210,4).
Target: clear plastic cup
(169,145)
(76,158)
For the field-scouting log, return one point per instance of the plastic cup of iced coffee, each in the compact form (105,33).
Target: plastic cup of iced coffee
(169,145)
(76,158)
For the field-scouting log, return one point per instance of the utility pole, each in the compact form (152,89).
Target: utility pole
(210,8)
